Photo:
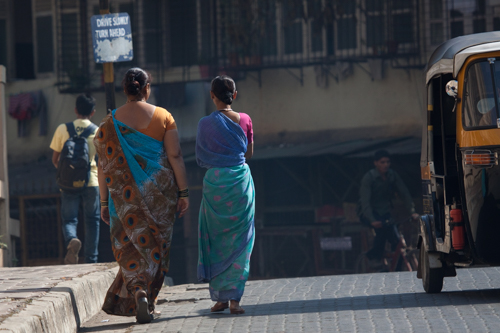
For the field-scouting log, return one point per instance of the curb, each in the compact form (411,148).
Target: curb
(65,307)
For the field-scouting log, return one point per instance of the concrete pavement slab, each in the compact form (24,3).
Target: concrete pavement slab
(52,298)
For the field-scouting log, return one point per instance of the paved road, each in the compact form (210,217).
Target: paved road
(383,302)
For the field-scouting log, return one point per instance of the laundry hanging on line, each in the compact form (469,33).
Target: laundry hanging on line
(26,106)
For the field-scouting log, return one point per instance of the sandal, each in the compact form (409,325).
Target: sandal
(236,309)
(142,310)
(219,306)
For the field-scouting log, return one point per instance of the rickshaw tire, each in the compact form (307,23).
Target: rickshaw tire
(432,278)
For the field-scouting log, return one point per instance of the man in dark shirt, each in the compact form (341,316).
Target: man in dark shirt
(377,190)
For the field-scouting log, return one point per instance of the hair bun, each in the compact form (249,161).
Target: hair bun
(135,80)
(224,88)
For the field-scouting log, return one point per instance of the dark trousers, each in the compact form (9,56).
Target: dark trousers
(388,233)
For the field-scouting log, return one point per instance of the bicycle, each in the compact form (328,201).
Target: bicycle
(407,255)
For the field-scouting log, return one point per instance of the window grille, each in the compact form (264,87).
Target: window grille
(185,36)
(42,5)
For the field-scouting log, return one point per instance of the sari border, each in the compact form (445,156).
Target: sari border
(135,131)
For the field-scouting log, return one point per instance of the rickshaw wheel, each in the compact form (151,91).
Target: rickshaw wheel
(432,278)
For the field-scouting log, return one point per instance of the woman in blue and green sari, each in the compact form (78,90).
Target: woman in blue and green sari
(226,220)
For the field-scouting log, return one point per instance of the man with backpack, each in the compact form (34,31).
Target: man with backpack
(74,157)
(377,190)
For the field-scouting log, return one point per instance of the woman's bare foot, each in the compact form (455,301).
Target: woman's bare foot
(235,308)
(142,307)
(219,306)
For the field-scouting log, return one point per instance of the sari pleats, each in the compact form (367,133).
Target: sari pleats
(226,231)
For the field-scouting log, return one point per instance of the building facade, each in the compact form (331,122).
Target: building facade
(326,82)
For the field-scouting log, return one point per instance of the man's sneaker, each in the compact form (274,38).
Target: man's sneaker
(72,254)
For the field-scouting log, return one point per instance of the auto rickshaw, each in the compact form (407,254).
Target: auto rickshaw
(459,162)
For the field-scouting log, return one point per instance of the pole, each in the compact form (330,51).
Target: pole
(109,74)
(4,176)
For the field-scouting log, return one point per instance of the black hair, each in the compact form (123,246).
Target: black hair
(135,80)
(224,88)
(381,154)
(85,104)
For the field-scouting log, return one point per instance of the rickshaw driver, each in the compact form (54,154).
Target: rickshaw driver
(377,190)
(489,117)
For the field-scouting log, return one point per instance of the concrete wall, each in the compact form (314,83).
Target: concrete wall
(354,107)
(282,109)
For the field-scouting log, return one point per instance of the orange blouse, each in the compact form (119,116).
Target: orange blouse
(161,122)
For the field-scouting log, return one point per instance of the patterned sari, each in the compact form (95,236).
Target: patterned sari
(226,220)
(142,206)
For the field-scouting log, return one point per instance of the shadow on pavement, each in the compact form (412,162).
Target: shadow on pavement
(111,327)
(356,303)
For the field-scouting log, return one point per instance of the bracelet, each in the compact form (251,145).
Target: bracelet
(183,193)
(104,206)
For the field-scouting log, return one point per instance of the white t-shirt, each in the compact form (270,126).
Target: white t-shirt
(60,137)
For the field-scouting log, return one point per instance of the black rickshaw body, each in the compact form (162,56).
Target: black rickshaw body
(460,226)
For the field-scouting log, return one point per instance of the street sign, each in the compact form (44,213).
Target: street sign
(112,38)
(336,243)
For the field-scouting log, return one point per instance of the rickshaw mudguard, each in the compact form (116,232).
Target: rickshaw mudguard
(427,234)
(428,241)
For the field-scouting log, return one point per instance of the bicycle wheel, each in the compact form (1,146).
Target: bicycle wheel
(412,257)
(362,264)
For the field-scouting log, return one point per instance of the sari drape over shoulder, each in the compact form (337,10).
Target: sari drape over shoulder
(226,220)
(142,206)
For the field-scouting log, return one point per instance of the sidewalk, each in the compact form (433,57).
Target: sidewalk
(52,298)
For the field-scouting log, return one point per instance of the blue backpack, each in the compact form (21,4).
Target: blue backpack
(73,169)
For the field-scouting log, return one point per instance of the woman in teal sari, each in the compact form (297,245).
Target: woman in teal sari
(140,173)
(226,220)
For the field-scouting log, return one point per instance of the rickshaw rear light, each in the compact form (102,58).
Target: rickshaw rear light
(481,158)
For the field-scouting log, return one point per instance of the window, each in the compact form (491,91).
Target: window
(44,36)
(479,21)
(375,25)
(3,42)
(314,13)
(293,14)
(403,22)
(44,44)
(128,7)
(346,25)
(269,29)
(183,32)
(480,106)
(23,39)
(70,54)
(436,14)
(3,33)
(152,31)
